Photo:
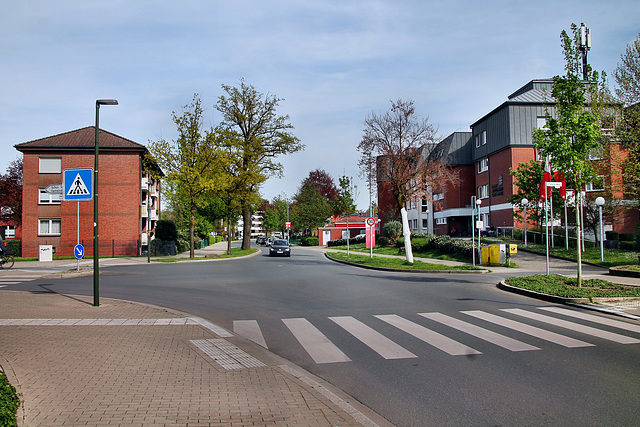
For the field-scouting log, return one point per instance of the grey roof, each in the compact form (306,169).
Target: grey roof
(454,149)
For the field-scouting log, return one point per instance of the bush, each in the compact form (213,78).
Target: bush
(626,245)
(166,230)
(9,402)
(627,237)
(382,241)
(392,229)
(443,244)
(360,238)
(309,241)
(612,235)
(15,247)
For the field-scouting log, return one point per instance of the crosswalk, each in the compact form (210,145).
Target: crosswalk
(571,329)
(6,280)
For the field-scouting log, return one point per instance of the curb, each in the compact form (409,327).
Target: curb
(575,302)
(402,270)
(619,271)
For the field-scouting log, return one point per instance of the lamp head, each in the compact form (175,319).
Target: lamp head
(107,102)
(600,201)
(478,202)
(525,201)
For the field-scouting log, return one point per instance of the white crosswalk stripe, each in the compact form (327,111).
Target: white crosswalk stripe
(15,280)
(389,345)
(374,340)
(315,342)
(622,339)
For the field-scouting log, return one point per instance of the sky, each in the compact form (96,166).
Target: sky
(333,62)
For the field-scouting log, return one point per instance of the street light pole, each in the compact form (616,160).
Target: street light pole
(473,229)
(96,250)
(525,202)
(600,202)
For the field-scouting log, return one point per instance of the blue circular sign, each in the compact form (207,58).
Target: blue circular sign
(78,251)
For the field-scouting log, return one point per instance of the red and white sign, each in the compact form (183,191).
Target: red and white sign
(287,224)
(370,232)
(371,221)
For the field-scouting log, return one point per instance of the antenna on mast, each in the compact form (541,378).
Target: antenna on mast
(585,46)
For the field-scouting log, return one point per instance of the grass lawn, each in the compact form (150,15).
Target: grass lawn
(382,262)
(235,253)
(565,287)
(360,247)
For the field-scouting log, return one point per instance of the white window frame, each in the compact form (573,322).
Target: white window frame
(589,188)
(541,122)
(483,165)
(45,198)
(483,137)
(441,221)
(50,165)
(10,232)
(49,222)
(483,191)
(596,154)
(477,141)
(438,196)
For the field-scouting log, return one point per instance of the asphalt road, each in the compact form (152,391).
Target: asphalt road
(419,349)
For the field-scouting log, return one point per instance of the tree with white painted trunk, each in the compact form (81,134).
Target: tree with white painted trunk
(403,144)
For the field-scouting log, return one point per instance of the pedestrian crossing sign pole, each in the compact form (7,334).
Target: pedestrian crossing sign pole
(77,184)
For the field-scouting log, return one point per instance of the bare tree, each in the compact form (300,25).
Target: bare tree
(403,143)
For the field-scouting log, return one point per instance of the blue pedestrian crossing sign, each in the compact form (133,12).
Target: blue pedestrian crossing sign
(78,251)
(77,184)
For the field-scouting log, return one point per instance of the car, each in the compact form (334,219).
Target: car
(280,247)
(260,240)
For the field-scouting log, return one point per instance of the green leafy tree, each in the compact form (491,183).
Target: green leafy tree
(344,203)
(274,214)
(574,132)
(255,136)
(11,193)
(191,164)
(627,77)
(310,208)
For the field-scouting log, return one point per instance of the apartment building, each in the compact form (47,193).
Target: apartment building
(129,198)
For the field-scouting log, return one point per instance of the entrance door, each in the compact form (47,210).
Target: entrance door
(326,236)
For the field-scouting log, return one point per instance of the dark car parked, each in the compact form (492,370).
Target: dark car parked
(280,247)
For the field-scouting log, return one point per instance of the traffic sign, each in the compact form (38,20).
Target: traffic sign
(371,221)
(53,189)
(78,251)
(77,184)
(287,224)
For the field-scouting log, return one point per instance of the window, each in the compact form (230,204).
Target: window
(596,154)
(541,122)
(441,221)
(483,191)
(425,224)
(483,165)
(49,198)
(50,165)
(597,185)
(477,141)
(10,232)
(425,205)
(439,196)
(483,137)
(49,227)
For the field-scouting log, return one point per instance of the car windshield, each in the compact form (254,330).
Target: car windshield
(280,243)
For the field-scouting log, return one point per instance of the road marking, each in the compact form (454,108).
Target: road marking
(622,339)
(529,330)
(250,330)
(316,344)
(593,318)
(373,339)
(478,332)
(226,354)
(435,339)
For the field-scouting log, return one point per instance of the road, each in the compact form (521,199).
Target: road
(419,349)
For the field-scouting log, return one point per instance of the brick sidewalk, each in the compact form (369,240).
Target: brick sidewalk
(146,371)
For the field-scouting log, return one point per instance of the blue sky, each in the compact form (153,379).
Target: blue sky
(333,62)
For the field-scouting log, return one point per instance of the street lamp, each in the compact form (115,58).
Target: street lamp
(473,230)
(600,202)
(525,202)
(96,250)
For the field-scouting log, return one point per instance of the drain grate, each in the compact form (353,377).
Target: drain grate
(227,355)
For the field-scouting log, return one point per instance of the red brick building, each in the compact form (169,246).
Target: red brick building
(125,194)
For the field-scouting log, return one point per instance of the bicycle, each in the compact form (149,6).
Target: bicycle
(6,261)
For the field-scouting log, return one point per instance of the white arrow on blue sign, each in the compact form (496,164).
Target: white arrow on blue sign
(77,184)
(78,251)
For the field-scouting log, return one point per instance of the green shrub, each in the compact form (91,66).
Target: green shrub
(14,246)
(626,245)
(627,237)
(9,402)
(382,241)
(166,230)
(360,238)
(309,241)
(612,235)
(392,229)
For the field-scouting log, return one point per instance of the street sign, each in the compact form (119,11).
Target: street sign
(54,189)
(287,224)
(78,251)
(77,184)
(371,221)
(554,184)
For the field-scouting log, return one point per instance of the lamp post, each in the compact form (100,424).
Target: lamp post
(525,202)
(473,230)
(96,250)
(600,202)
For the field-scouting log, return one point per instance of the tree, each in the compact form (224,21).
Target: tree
(310,208)
(627,77)
(527,178)
(274,215)
(344,203)
(260,136)
(192,165)
(404,143)
(574,132)
(11,191)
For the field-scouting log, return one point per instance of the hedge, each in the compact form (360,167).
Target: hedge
(15,247)
(309,241)
(360,238)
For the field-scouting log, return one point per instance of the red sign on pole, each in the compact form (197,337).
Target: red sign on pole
(287,224)
(370,233)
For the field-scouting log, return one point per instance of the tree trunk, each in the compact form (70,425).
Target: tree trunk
(192,227)
(246,228)
(406,232)
(579,245)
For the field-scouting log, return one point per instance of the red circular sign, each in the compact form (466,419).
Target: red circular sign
(370,221)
